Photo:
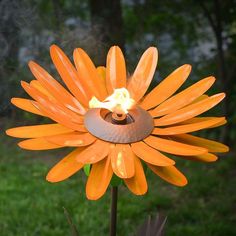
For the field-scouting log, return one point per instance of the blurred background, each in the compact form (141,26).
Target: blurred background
(200,33)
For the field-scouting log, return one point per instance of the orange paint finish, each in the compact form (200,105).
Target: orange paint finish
(175,115)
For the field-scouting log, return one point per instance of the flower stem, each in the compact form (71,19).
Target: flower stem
(113,215)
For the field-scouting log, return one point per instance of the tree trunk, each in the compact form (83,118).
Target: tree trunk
(107,26)
(223,76)
(215,21)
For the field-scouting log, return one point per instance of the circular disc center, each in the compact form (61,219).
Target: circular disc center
(119,128)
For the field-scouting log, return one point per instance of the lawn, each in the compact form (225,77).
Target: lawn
(30,206)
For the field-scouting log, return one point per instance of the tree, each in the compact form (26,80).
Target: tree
(107,26)
(221,15)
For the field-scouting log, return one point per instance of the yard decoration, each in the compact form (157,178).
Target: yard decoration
(112,123)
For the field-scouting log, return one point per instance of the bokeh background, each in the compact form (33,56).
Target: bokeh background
(201,33)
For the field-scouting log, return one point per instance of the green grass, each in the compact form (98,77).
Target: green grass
(30,206)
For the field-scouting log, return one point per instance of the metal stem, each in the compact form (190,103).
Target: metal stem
(113,214)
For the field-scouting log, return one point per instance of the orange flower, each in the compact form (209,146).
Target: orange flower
(173,115)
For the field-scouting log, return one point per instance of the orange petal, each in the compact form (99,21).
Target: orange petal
(36,84)
(116,70)
(207,157)
(190,111)
(138,183)
(197,124)
(167,87)
(101,70)
(143,74)
(53,113)
(122,161)
(223,122)
(150,155)
(87,71)
(26,104)
(200,98)
(38,144)
(173,147)
(95,152)
(99,179)
(170,174)
(201,119)
(54,110)
(37,131)
(69,75)
(211,145)
(72,139)
(51,104)
(55,88)
(183,98)
(65,168)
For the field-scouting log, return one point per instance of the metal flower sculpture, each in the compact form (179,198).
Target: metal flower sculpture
(113,125)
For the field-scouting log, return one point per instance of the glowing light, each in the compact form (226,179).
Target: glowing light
(119,102)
